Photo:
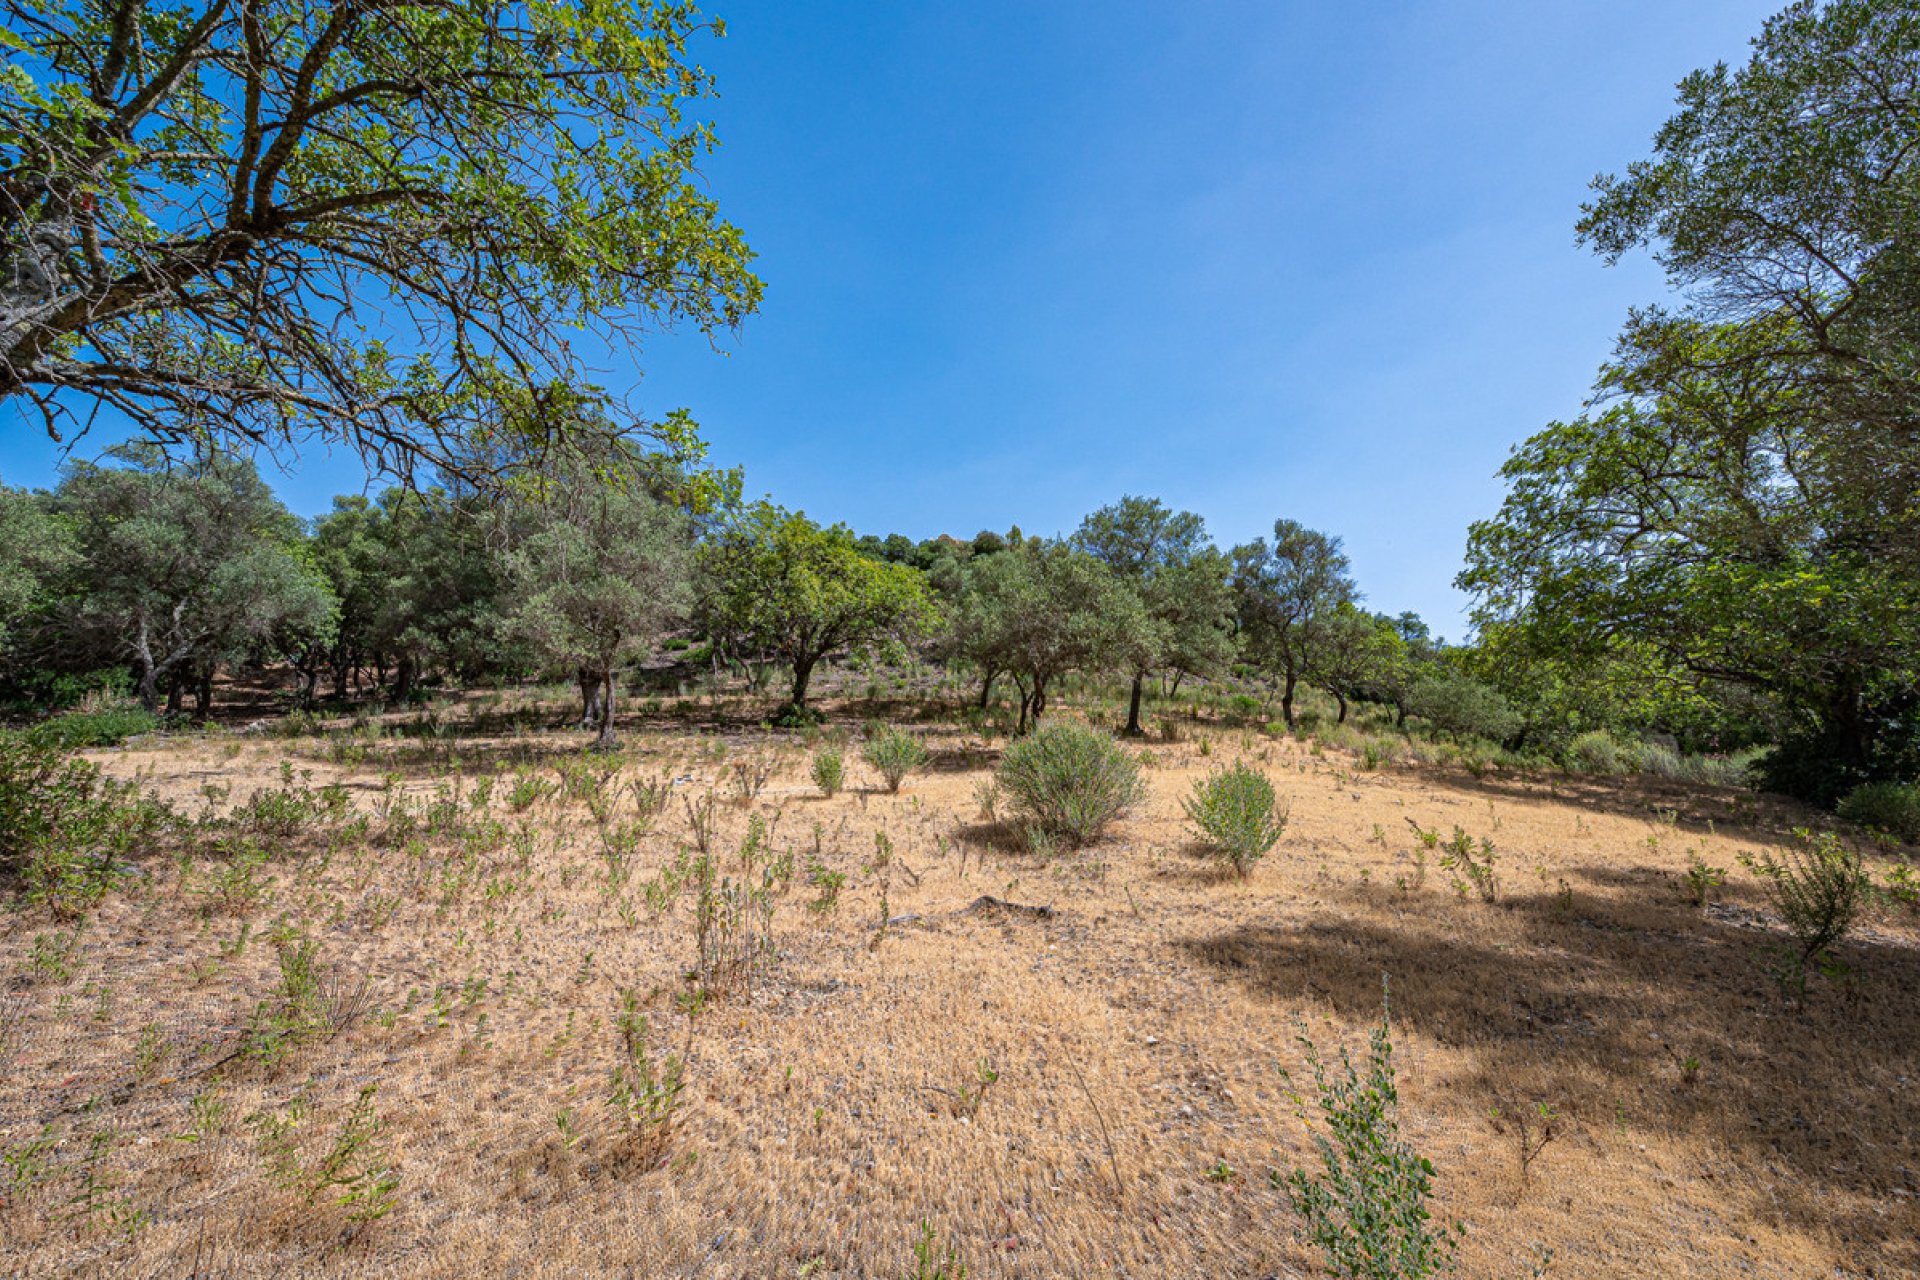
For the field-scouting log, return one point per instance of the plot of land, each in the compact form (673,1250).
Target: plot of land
(1090,1091)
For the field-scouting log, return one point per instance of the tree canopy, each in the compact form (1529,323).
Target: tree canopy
(185,565)
(1284,592)
(599,568)
(380,222)
(778,582)
(1166,559)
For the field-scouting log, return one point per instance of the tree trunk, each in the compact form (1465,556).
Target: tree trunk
(1286,701)
(149,686)
(1341,698)
(1039,700)
(1133,729)
(593,688)
(403,678)
(986,688)
(607,739)
(802,675)
(176,694)
(203,691)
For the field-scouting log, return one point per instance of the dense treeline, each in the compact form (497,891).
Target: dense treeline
(148,576)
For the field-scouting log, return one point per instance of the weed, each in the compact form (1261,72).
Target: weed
(1818,888)
(930,1264)
(1471,871)
(1701,879)
(643,1094)
(1367,1210)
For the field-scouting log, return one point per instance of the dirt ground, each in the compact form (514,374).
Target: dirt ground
(1704,1124)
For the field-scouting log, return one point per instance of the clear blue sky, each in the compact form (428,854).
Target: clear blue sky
(1255,259)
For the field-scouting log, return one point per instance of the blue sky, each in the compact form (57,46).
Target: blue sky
(1255,259)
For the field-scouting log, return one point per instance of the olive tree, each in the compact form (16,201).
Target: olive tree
(775,581)
(1039,611)
(181,565)
(601,565)
(1284,593)
(1165,559)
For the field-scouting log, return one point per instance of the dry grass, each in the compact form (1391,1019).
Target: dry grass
(1136,1034)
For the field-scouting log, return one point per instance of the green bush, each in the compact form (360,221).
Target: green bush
(894,754)
(1368,1210)
(103,726)
(829,771)
(1600,752)
(1891,807)
(67,832)
(1819,889)
(1237,813)
(1463,708)
(1069,782)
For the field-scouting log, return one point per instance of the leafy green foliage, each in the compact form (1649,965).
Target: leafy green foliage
(1461,706)
(1735,515)
(1164,557)
(1069,782)
(1236,811)
(185,228)
(600,567)
(1885,806)
(1037,612)
(185,566)
(68,834)
(1819,887)
(1284,593)
(779,582)
(102,725)
(829,771)
(894,754)
(1367,1209)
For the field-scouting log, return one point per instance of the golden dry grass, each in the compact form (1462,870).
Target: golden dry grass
(1136,1035)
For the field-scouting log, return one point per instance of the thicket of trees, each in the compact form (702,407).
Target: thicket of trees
(1724,549)
(1734,525)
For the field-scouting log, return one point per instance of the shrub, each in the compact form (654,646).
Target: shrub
(1891,807)
(1068,781)
(829,771)
(894,754)
(1463,708)
(1367,1212)
(1662,761)
(66,831)
(1598,752)
(1237,813)
(105,725)
(1818,888)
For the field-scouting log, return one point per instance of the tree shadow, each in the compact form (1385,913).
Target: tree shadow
(1695,807)
(1586,1006)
